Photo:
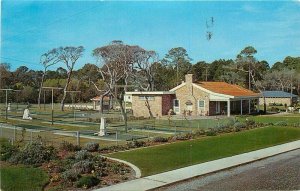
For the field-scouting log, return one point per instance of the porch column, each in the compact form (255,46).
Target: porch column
(228,108)
(249,105)
(241,107)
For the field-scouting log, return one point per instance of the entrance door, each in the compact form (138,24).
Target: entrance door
(176,106)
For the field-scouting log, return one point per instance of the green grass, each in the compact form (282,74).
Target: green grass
(290,119)
(163,158)
(22,178)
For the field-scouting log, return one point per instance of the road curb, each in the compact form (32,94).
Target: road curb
(137,171)
(163,179)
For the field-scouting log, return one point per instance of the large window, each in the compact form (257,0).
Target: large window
(150,98)
(201,103)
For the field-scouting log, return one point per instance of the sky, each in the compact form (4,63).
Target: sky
(31,28)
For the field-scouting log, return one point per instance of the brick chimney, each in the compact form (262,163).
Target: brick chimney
(189,78)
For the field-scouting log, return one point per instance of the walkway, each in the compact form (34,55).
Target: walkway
(162,179)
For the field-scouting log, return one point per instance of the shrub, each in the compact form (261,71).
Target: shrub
(81,155)
(6,151)
(250,122)
(92,147)
(84,166)
(239,125)
(70,175)
(136,144)
(34,154)
(211,132)
(66,146)
(87,182)
(281,123)
(160,139)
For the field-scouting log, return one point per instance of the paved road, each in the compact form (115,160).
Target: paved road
(281,172)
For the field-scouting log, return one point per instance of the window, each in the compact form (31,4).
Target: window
(150,98)
(201,103)
(176,103)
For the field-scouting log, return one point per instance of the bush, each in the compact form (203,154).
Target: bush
(84,166)
(160,139)
(34,154)
(281,123)
(87,182)
(66,146)
(70,175)
(6,151)
(136,144)
(92,147)
(239,125)
(81,155)
(250,122)
(211,132)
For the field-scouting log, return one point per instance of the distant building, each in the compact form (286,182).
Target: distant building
(278,97)
(196,98)
(106,102)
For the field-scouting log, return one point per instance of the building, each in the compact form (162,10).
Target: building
(278,98)
(196,99)
(158,103)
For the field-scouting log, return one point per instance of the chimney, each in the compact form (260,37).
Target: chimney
(189,78)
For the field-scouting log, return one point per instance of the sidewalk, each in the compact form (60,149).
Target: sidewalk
(162,179)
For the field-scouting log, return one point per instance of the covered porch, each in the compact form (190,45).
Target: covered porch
(235,105)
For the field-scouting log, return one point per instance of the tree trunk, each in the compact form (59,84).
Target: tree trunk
(149,108)
(123,113)
(65,91)
(40,90)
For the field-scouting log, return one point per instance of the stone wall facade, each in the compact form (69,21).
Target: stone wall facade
(159,106)
(190,94)
(282,101)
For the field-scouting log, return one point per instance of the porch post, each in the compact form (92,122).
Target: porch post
(241,107)
(228,108)
(249,105)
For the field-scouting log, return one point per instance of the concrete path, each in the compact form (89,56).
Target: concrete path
(158,180)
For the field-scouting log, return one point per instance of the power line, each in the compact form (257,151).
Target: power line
(17,60)
(49,24)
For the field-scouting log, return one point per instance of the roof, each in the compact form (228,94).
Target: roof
(280,94)
(97,98)
(150,92)
(226,88)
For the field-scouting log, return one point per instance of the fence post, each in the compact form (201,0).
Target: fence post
(117,138)
(30,137)
(15,133)
(78,138)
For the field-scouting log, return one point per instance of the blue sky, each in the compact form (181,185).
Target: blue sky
(31,28)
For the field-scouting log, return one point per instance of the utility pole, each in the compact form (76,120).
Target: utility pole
(52,106)
(6,97)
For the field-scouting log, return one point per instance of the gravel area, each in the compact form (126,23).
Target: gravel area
(281,172)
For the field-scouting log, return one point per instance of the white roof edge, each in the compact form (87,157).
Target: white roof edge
(150,93)
(179,86)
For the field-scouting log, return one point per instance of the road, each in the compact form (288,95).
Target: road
(281,172)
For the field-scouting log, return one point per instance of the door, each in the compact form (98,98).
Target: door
(176,106)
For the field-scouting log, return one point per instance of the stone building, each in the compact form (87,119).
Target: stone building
(278,98)
(197,98)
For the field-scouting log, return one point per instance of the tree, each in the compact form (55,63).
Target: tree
(200,70)
(69,56)
(115,66)
(5,75)
(180,61)
(47,59)
(246,60)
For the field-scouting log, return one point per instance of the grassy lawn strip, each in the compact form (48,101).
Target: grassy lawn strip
(22,178)
(163,158)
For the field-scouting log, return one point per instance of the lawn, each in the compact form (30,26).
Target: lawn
(290,119)
(163,158)
(22,178)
